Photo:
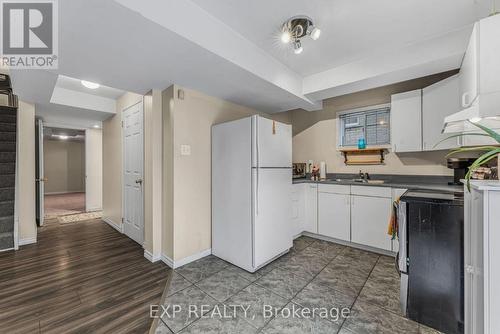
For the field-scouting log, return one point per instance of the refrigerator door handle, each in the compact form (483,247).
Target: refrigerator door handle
(257,164)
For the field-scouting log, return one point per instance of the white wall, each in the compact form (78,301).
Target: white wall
(93,169)
(25,195)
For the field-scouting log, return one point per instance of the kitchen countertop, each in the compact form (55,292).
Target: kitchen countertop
(422,182)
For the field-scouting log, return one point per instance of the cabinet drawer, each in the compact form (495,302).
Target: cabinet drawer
(334,189)
(372,191)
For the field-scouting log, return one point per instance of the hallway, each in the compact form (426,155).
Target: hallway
(84,277)
(64,204)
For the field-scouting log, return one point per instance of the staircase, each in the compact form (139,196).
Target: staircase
(8,129)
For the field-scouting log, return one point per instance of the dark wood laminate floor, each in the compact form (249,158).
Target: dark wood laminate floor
(79,278)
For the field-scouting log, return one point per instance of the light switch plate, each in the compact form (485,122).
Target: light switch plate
(185,150)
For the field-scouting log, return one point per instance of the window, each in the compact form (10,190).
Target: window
(372,124)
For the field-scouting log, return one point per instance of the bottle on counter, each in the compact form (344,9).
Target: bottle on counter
(310,165)
(322,170)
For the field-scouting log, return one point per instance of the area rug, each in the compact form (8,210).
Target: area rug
(80,217)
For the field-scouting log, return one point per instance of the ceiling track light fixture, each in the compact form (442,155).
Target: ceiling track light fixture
(296,28)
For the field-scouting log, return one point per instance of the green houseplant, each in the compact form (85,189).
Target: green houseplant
(489,152)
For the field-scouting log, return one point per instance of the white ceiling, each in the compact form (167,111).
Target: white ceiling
(351,30)
(228,48)
(76,85)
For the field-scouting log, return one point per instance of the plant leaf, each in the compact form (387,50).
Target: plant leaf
(461,135)
(481,161)
(493,134)
(470,149)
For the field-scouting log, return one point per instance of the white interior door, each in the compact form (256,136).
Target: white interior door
(93,170)
(133,163)
(39,173)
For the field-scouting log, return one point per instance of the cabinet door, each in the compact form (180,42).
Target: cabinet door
(311,216)
(488,55)
(334,216)
(438,101)
(369,221)
(406,121)
(298,208)
(469,71)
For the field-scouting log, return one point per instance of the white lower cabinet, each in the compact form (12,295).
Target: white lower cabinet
(358,214)
(369,221)
(334,215)
(311,208)
(298,208)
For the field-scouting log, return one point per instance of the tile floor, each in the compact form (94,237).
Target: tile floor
(314,274)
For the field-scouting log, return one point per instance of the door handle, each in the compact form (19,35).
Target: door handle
(43,179)
(138,181)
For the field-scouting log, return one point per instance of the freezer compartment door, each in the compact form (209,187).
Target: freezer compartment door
(272,206)
(273,143)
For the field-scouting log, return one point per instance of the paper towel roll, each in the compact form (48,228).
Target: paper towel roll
(322,170)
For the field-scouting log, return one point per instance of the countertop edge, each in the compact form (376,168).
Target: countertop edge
(419,186)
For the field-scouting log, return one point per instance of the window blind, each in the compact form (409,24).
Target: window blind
(373,125)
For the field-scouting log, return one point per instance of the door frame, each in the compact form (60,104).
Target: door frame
(141,103)
(39,168)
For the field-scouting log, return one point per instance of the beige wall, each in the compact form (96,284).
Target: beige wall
(315,134)
(167,244)
(64,166)
(25,195)
(112,160)
(153,184)
(93,169)
(188,121)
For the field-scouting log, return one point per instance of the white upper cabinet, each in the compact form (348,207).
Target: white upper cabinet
(438,101)
(406,121)
(481,63)
(489,55)
(469,72)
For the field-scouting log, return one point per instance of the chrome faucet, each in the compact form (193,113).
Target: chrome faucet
(364,176)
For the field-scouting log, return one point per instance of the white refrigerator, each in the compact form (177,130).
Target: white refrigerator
(251,187)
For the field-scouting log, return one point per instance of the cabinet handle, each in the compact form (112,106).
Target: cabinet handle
(465,102)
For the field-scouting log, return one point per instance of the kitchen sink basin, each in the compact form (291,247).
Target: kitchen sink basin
(356,181)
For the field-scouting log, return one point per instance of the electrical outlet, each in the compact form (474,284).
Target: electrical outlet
(185,150)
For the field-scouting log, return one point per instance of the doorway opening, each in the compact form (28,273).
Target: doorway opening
(68,173)
(63,172)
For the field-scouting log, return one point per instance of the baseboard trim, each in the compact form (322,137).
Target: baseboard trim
(151,257)
(64,192)
(27,241)
(93,209)
(347,243)
(176,264)
(168,261)
(110,222)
